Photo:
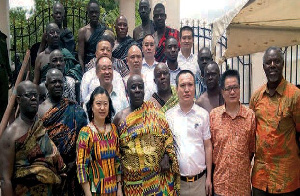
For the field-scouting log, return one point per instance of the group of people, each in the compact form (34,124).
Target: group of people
(149,118)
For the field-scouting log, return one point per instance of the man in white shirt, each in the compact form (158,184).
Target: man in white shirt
(186,59)
(148,49)
(190,127)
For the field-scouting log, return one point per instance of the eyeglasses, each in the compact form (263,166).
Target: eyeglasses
(230,88)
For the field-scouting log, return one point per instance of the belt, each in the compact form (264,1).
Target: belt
(192,178)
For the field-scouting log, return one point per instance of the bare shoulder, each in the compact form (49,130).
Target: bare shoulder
(10,134)
(200,101)
(120,116)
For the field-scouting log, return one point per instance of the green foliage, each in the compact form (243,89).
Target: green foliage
(32,29)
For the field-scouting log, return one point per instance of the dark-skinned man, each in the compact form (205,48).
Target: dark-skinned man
(29,161)
(145,138)
(56,60)
(66,37)
(166,96)
(171,53)
(204,56)
(63,120)
(89,35)
(162,32)
(122,44)
(212,97)
(276,105)
(72,68)
(147,26)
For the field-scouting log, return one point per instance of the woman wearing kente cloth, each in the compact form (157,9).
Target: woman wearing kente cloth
(98,165)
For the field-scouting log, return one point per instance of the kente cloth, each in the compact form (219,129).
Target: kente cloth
(98,159)
(165,106)
(63,123)
(144,138)
(37,162)
(160,49)
(72,67)
(91,44)
(120,52)
(67,40)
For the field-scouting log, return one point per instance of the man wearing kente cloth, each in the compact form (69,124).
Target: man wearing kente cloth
(30,163)
(63,120)
(122,45)
(72,68)
(145,141)
(166,96)
(66,38)
(162,32)
(89,35)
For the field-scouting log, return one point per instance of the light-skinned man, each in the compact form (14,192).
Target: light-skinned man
(186,59)
(232,128)
(190,127)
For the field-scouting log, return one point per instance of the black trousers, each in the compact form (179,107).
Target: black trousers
(257,192)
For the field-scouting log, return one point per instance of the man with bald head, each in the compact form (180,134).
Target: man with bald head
(63,120)
(134,61)
(276,105)
(212,97)
(29,162)
(42,60)
(147,26)
(145,138)
(66,37)
(123,41)
(162,32)
(89,35)
(166,96)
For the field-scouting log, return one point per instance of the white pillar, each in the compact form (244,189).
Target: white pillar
(258,74)
(4,20)
(127,8)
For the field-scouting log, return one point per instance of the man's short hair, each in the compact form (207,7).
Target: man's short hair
(160,5)
(147,36)
(228,74)
(171,37)
(277,49)
(97,61)
(92,1)
(184,72)
(186,28)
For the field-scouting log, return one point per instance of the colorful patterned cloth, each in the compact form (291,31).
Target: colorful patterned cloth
(37,163)
(233,143)
(144,139)
(98,159)
(277,161)
(91,45)
(63,123)
(161,104)
(160,49)
(120,52)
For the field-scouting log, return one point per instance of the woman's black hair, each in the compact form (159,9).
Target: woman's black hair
(89,104)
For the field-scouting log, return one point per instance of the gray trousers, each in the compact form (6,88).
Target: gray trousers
(196,188)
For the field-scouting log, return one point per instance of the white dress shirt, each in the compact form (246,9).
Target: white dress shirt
(90,81)
(189,63)
(189,130)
